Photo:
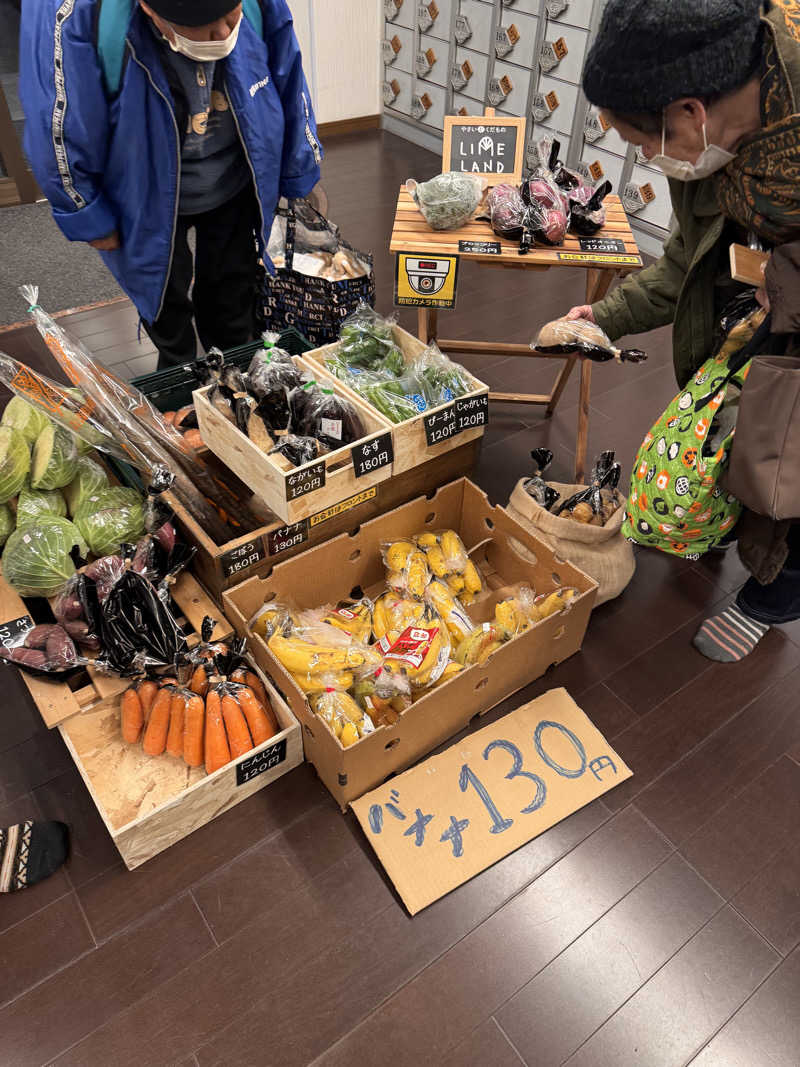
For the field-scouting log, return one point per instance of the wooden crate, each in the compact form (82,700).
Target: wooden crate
(147,803)
(220,567)
(292,493)
(448,426)
(90,689)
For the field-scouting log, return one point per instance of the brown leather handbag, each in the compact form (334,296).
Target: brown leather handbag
(764,469)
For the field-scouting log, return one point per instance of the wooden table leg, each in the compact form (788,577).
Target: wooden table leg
(427,324)
(561,384)
(598,282)
(583,421)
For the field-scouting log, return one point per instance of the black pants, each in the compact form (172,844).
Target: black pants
(778,602)
(224,267)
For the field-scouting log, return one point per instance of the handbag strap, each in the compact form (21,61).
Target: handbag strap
(291,235)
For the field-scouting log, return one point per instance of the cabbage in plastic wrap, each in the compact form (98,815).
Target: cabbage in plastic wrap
(37,558)
(110,518)
(15,462)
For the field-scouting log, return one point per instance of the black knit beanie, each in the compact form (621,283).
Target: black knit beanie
(192,12)
(649,53)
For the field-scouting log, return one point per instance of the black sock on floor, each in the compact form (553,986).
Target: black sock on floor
(30,852)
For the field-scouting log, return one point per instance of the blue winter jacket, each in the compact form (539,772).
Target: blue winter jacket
(110,160)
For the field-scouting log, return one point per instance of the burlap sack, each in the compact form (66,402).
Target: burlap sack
(600,551)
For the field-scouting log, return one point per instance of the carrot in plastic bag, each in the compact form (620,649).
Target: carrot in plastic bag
(147,694)
(217,751)
(199,682)
(193,729)
(261,723)
(132,716)
(236,726)
(155,736)
(177,711)
(252,679)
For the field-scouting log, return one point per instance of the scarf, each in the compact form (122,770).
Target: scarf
(760,188)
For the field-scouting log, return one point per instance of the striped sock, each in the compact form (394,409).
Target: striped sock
(29,852)
(729,637)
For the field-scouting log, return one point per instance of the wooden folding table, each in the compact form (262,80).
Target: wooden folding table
(613,252)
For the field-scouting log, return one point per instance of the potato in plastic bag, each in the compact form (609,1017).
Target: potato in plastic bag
(563,336)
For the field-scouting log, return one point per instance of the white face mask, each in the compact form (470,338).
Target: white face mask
(711,159)
(205,51)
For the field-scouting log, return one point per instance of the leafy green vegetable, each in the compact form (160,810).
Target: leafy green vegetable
(34,503)
(55,458)
(15,462)
(26,418)
(7,523)
(109,518)
(91,478)
(36,558)
(367,339)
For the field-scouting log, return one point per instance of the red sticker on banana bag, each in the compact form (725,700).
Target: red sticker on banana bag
(411,647)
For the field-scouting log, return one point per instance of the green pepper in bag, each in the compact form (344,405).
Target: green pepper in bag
(676,501)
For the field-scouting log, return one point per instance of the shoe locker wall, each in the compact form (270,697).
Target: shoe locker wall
(340,41)
(523,57)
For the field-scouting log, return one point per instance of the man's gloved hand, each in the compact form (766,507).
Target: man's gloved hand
(107,244)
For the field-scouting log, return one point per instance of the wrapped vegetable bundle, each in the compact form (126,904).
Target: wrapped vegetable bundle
(55,458)
(89,479)
(46,649)
(367,340)
(449,200)
(565,336)
(32,504)
(8,523)
(297,450)
(548,210)
(331,419)
(347,720)
(440,379)
(509,215)
(24,417)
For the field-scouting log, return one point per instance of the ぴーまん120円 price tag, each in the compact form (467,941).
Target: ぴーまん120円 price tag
(441,425)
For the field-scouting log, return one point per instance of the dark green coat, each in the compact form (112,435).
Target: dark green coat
(680,288)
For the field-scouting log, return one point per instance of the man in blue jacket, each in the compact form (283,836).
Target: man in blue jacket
(147,120)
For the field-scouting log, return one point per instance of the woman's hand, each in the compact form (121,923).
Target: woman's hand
(582,312)
(762,296)
(107,244)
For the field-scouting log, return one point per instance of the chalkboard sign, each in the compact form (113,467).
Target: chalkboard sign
(241,558)
(490,146)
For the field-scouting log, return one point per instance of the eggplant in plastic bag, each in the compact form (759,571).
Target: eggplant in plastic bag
(564,336)
(548,210)
(333,420)
(298,450)
(588,212)
(509,215)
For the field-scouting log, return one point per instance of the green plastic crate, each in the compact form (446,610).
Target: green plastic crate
(171,389)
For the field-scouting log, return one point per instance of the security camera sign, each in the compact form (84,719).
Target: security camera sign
(424,279)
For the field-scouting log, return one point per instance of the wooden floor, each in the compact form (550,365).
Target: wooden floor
(659,926)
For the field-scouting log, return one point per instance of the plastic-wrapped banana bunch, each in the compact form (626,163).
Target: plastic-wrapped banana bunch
(406,568)
(448,561)
(458,623)
(519,612)
(274,618)
(342,714)
(393,614)
(479,645)
(353,618)
(421,651)
(320,648)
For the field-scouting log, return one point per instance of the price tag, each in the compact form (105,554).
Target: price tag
(633,198)
(305,481)
(10,632)
(242,558)
(286,537)
(601,245)
(391,48)
(480,248)
(505,39)
(373,455)
(463,30)
(441,425)
(472,412)
(264,761)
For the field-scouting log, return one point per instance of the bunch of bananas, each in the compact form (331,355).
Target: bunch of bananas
(301,657)
(345,718)
(384,695)
(458,623)
(448,561)
(518,613)
(407,568)
(352,617)
(272,619)
(393,614)
(479,645)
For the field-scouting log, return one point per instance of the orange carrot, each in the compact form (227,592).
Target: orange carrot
(261,726)
(254,682)
(177,710)
(217,751)
(194,721)
(239,676)
(199,682)
(164,682)
(132,716)
(236,725)
(147,694)
(155,736)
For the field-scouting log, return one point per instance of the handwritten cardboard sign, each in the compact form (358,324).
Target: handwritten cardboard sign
(447,819)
